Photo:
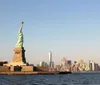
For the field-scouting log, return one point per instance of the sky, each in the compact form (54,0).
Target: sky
(67,28)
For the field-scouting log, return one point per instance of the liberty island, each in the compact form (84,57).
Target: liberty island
(18,65)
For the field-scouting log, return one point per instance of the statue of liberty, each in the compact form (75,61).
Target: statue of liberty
(20,37)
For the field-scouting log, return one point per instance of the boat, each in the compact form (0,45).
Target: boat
(65,72)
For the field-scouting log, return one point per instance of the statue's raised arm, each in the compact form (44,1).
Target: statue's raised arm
(20,30)
(20,37)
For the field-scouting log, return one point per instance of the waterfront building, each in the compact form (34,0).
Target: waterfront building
(97,67)
(87,68)
(75,66)
(69,62)
(52,64)
(40,64)
(92,65)
(58,67)
(65,65)
(83,65)
(64,62)
(43,64)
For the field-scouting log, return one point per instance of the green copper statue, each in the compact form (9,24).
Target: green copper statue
(20,37)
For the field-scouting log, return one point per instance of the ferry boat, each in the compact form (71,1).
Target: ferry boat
(65,72)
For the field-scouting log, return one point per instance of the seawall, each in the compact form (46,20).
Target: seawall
(22,73)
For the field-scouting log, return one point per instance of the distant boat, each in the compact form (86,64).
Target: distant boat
(65,72)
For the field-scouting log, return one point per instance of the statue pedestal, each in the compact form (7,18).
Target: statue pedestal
(19,57)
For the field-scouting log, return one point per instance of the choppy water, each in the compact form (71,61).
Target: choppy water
(65,79)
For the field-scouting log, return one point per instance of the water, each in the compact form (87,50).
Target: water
(65,79)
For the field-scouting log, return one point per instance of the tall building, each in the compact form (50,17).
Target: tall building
(50,59)
(43,64)
(52,64)
(69,62)
(92,65)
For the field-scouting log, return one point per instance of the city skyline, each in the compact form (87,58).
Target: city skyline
(69,29)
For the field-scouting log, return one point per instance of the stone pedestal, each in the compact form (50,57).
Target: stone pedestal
(27,68)
(12,68)
(19,57)
(4,69)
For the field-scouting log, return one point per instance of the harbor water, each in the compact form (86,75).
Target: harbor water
(61,79)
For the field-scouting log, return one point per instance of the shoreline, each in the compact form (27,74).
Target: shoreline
(27,73)
(32,73)
(41,73)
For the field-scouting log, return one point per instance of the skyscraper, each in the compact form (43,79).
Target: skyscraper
(50,59)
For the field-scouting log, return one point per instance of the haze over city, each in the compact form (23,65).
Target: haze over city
(68,28)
